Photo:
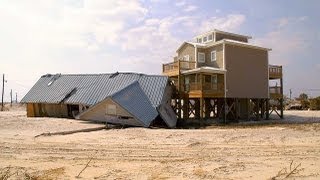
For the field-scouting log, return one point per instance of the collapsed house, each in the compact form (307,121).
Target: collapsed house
(119,98)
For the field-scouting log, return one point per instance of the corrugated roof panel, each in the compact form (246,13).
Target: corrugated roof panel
(134,100)
(154,87)
(93,88)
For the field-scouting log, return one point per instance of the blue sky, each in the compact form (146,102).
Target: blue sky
(98,36)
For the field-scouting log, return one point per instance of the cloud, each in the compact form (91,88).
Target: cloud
(180,3)
(285,43)
(231,22)
(190,8)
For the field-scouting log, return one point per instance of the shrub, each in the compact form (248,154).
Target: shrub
(315,103)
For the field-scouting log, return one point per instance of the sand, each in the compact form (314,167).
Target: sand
(245,151)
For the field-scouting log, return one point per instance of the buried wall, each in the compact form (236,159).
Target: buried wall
(47,110)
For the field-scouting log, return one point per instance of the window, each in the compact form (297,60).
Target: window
(210,37)
(201,57)
(214,82)
(199,40)
(111,109)
(207,79)
(186,58)
(205,39)
(213,56)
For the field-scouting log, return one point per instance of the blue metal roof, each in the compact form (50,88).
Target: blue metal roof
(135,101)
(89,89)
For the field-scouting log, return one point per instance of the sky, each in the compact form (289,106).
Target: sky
(102,36)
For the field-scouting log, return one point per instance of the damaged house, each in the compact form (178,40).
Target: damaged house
(119,98)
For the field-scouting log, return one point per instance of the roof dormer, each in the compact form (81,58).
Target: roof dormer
(217,35)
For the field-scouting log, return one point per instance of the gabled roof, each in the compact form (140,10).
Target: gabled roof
(89,89)
(191,43)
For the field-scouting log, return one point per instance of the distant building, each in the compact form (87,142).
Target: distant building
(118,98)
(220,74)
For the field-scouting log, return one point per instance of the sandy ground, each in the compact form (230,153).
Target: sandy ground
(214,152)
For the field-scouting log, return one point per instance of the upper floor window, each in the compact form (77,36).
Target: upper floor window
(213,55)
(201,57)
(210,37)
(199,40)
(205,39)
(186,58)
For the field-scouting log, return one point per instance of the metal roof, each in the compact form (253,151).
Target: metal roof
(135,101)
(89,89)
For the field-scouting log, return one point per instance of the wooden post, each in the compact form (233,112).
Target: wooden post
(201,107)
(11,97)
(2,93)
(281,99)
(267,109)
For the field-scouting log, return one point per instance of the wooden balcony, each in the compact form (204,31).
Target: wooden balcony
(197,90)
(275,72)
(275,92)
(173,68)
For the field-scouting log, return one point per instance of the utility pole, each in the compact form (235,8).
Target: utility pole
(11,97)
(290,93)
(2,92)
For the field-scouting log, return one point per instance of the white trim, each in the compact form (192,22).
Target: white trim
(246,45)
(204,57)
(214,37)
(215,55)
(223,55)
(204,69)
(195,55)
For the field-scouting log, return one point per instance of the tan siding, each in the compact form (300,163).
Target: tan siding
(247,72)
(226,36)
(207,51)
(187,49)
(98,113)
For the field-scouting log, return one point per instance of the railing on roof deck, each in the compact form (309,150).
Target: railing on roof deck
(178,65)
(275,90)
(275,71)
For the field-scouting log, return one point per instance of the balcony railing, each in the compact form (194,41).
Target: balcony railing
(275,92)
(206,87)
(174,67)
(275,72)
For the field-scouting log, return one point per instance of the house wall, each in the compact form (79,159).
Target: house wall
(247,72)
(220,36)
(47,110)
(99,113)
(187,49)
(219,55)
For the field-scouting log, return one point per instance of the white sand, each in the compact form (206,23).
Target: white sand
(217,152)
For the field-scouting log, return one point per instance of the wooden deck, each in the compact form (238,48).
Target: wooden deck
(173,68)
